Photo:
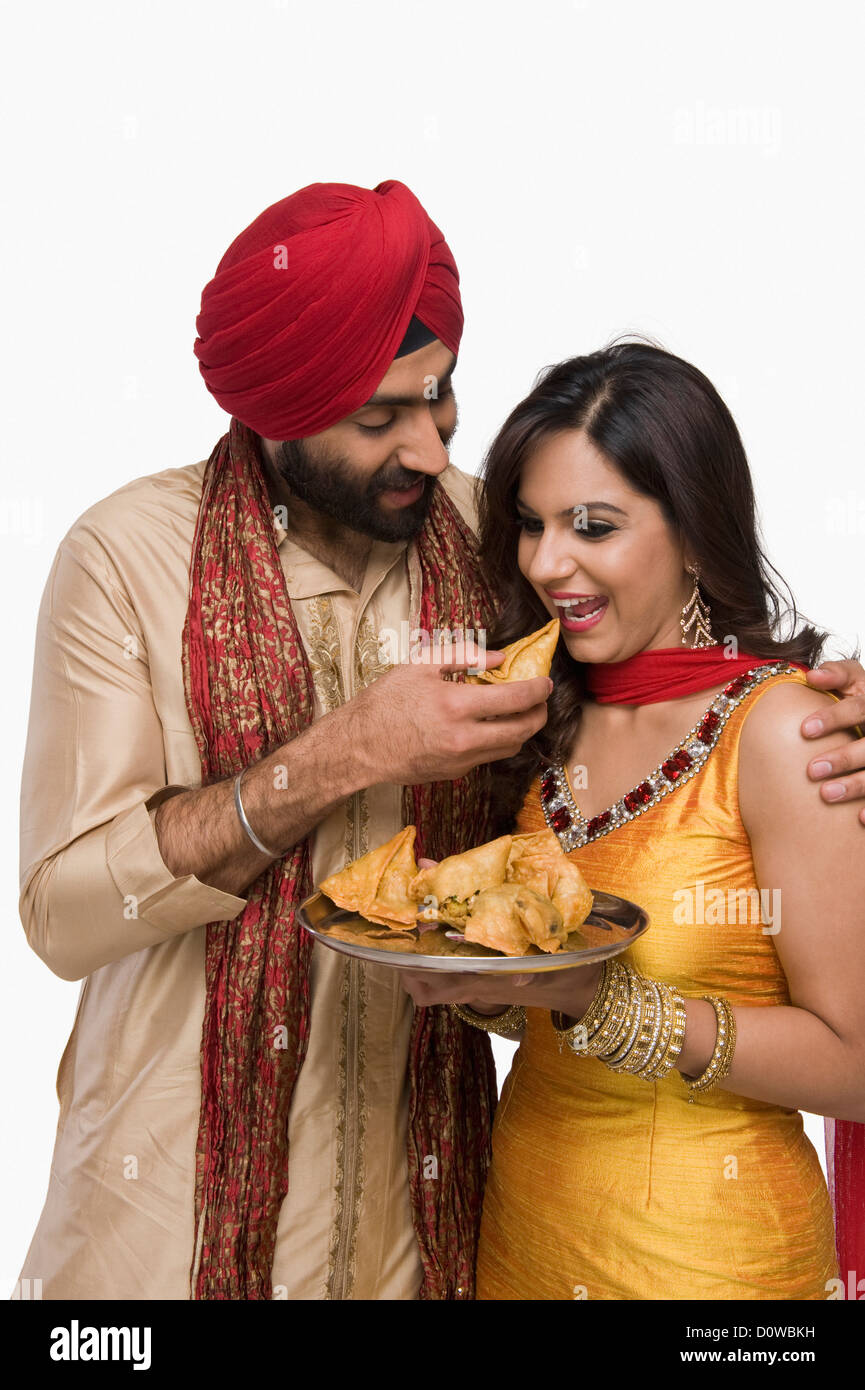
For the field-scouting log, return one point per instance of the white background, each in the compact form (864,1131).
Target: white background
(690,171)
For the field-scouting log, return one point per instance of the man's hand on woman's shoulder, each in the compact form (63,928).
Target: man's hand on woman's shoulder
(775,759)
(840,764)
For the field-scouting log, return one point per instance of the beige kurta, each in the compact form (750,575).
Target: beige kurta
(108,739)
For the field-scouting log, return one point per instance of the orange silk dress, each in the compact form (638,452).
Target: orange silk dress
(605,1186)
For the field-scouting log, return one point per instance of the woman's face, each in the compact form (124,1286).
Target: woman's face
(601,557)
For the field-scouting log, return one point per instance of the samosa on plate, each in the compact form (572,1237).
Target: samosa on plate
(453,882)
(537,861)
(533,842)
(377,885)
(512,917)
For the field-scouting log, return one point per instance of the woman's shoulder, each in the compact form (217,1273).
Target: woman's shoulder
(774,754)
(774,715)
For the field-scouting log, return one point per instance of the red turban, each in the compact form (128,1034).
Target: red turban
(310,303)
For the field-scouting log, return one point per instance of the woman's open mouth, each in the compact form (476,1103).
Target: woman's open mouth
(578,615)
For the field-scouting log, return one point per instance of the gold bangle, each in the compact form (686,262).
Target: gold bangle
(671,1040)
(722,1054)
(607,1030)
(616,1058)
(634,1058)
(567,1033)
(510,1020)
(634,1024)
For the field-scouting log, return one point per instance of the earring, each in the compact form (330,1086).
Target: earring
(696,611)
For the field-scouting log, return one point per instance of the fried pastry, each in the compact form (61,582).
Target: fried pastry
(530,656)
(454,881)
(377,884)
(512,917)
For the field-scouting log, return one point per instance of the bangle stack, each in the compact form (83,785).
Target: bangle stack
(637,1025)
(511,1020)
(633,1024)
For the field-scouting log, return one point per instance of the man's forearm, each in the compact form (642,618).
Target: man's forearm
(285,795)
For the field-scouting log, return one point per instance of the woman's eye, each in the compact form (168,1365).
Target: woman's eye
(596,530)
(593,530)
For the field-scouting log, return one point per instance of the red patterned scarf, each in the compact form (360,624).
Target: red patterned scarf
(248,690)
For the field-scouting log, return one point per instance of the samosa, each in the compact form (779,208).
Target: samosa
(377,884)
(530,656)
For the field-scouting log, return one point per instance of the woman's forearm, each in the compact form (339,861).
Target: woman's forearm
(784,1055)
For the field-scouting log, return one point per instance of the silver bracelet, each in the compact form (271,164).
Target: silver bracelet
(271,853)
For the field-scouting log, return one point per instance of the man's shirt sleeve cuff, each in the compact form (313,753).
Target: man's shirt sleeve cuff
(143,878)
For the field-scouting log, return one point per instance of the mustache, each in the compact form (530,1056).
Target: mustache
(405,479)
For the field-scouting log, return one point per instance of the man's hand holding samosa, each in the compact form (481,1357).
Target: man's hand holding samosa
(412,726)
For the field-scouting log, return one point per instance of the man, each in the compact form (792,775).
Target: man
(213,731)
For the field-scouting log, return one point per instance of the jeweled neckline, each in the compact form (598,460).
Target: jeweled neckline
(574,830)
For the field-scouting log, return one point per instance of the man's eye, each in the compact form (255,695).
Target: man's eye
(380,429)
(374,429)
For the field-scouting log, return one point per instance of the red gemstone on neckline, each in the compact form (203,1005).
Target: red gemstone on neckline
(638,797)
(560,819)
(736,686)
(548,789)
(708,726)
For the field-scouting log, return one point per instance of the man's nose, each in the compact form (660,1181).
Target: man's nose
(422,449)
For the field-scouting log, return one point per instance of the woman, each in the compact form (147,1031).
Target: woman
(648,1143)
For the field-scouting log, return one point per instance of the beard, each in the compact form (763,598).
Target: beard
(329,484)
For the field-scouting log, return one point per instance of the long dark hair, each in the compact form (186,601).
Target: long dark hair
(665,428)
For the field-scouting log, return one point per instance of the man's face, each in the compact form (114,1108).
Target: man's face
(375,470)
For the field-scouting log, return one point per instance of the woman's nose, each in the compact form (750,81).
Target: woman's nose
(553,564)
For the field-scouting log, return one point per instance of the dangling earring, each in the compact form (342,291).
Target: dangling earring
(696,611)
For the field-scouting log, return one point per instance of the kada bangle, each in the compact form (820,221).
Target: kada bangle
(241,814)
